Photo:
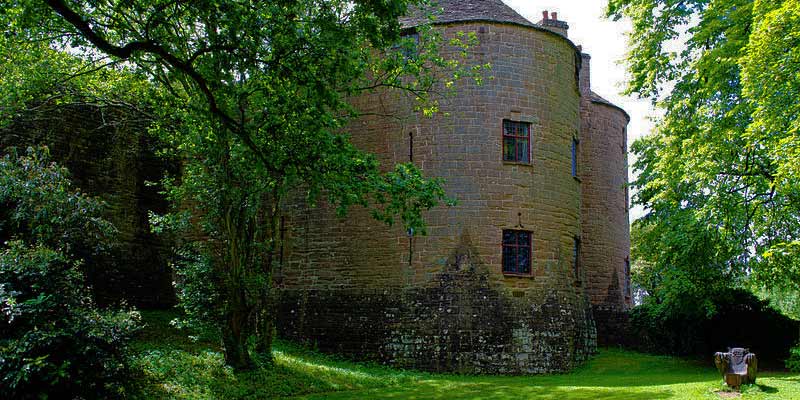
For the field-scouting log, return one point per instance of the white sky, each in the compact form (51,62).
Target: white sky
(605,41)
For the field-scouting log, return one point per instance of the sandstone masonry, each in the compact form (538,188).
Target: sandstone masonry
(442,301)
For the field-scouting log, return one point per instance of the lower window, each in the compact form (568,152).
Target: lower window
(516,252)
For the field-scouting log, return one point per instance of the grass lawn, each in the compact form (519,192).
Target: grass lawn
(170,366)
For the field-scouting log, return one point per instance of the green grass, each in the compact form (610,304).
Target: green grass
(171,366)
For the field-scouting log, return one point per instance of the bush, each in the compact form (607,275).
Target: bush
(740,320)
(54,341)
(198,298)
(793,362)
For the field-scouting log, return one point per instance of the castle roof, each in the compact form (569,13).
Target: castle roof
(447,11)
(450,11)
(596,98)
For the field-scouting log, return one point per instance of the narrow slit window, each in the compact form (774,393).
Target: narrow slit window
(574,158)
(576,259)
(516,141)
(516,252)
(627,278)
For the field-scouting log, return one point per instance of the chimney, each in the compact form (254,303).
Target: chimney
(552,23)
(584,82)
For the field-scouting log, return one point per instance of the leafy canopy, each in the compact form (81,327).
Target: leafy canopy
(255,97)
(718,177)
(275,76)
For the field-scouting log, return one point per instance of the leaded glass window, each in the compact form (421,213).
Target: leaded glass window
(516,252)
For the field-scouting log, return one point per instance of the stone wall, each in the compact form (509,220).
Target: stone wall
(109,155)
(613,326)
(462,324)
(605,229)
(441,301)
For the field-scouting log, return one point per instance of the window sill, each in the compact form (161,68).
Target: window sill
(527,164)
(577,179)
(517,275)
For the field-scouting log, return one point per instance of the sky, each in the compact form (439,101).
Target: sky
(605,41)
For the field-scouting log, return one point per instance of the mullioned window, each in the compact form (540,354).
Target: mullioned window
(516,252)
(516,141)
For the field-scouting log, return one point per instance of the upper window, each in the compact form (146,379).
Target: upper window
(408,45)
(516,141)
(516,252)
(574,158)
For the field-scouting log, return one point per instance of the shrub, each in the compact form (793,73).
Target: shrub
(54,341)
(740,320)
(197,296)
(793,362)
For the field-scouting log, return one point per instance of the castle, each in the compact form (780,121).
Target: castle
(528,272)
(530,269)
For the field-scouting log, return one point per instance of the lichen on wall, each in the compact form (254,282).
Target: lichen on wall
(441,301)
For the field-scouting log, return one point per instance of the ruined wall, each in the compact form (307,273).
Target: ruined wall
(441,301)
(109,154)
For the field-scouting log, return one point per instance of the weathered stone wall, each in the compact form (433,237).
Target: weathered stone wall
(613,326)
(605,229)
(109,155)
(461,324)
(441,301)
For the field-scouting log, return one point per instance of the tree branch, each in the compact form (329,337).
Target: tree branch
(147,46)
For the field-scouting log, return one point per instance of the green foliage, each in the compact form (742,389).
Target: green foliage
(793,362)
(198,297)
(677,266)
(739,318)
(718,177)
(770,80)
(41,208)
(255,97)
(33,75)
(785,300)
(53,340)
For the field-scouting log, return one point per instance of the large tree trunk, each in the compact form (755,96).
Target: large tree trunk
(268,301)
(233,265)
(235,332)
(248,228)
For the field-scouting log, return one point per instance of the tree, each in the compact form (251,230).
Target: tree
(771,81)
(258,93)
(718,176)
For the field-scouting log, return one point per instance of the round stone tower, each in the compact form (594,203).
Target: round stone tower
(495,285)
(605,229)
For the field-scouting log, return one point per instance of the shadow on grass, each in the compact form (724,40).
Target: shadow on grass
(487,391)
(767,389)
(181,374)
(787,378)
(168,365)
(174,367)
